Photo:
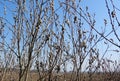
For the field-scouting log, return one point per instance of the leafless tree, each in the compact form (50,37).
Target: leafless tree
(49,36)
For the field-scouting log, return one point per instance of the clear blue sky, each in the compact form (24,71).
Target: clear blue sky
(97,7)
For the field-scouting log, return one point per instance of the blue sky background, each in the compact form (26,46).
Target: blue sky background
(97,7)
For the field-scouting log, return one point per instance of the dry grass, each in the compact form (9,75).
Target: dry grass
(33,76)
